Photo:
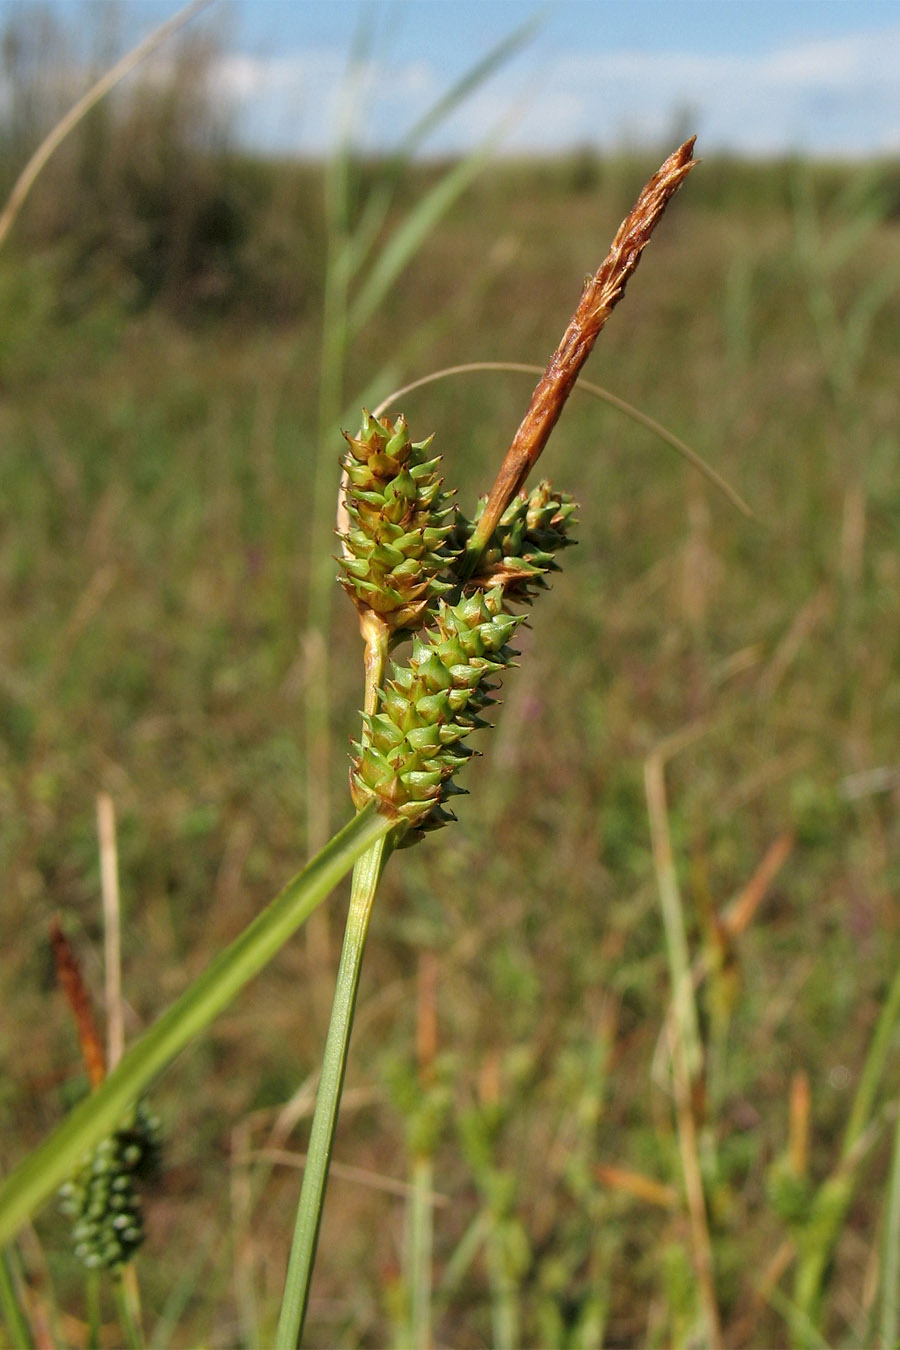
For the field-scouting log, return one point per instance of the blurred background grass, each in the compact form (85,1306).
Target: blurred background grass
(160,346)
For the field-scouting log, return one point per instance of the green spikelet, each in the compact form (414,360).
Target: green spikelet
(102,1198)
(414,744)
(400,522)
(521,551)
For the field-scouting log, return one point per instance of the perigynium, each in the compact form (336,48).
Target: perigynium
(520,552)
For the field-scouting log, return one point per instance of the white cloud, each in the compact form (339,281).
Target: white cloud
(838,63)
(837,96)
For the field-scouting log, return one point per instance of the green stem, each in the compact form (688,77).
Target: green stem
(312,1197)
(503,1286)
(873,1069)
(365,883)
(420,1218)
(39,1174)
(890,1267)
(94,1311)
(129,1308)
(13,1313)
(836,1192)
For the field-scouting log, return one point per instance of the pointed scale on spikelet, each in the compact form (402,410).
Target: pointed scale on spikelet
(521,550)
(399,522)
(414,744)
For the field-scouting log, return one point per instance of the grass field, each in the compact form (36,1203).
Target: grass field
(512,1044)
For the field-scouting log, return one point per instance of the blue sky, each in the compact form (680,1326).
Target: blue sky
(750,76)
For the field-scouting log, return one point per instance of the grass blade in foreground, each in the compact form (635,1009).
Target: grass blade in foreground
(10,1305)
(38,1175)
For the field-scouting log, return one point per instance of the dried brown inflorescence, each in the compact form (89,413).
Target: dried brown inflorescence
(599,297)
(70,978)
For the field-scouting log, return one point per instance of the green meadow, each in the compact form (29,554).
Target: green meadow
(695,767)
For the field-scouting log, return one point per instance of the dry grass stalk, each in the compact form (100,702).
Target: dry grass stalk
(361,1176)
(637,1184)
(689,1149)
(684,1006)
(682,1028)
(799,1122)
(739,914)
(426,1015)
(598,299)
(805,622)
(743,1330)
(742,910)
(112,962)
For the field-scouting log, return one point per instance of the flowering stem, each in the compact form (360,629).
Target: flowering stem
(366,876)
(129,1308)
(376,636)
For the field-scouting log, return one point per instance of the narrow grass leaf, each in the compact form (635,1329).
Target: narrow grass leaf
(890,1264)
(13,1313)
(597,391)
(411,235)
(836,1192)
(38,1175)
(469,82)
(379,202)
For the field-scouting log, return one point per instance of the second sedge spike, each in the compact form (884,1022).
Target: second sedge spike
(414,745)
(534,527)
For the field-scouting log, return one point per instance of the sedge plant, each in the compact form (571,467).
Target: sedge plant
(453,586)
(418,569)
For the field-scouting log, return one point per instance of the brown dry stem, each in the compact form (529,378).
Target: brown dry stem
(112,928)
(599,297)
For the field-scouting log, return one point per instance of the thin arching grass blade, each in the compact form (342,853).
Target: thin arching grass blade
(605,396)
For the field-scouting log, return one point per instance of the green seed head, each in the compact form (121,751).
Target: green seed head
(535,526)
(102,1198)
(414,745)
(398,524)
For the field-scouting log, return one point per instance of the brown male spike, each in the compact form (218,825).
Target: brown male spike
(72,981)
(601,294)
